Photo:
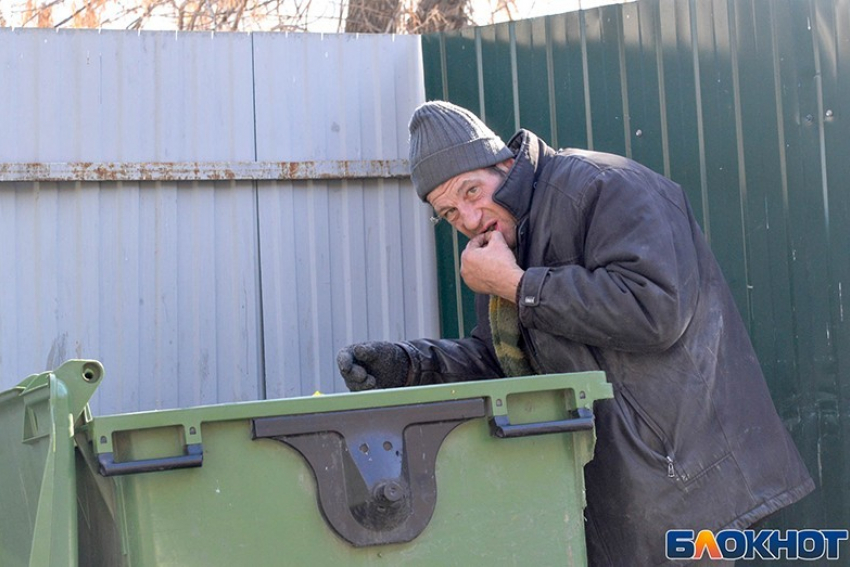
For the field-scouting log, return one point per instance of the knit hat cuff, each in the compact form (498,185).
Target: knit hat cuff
(439,167)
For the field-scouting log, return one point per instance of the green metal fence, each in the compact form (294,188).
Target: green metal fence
(745,104)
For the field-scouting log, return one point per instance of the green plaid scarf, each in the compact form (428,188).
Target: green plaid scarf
(504,327)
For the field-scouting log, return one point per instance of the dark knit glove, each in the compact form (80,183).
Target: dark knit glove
(377,364)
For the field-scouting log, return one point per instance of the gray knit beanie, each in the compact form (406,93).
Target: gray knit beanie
(447,140)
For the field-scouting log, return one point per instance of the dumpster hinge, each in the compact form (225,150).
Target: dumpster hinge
(374,468)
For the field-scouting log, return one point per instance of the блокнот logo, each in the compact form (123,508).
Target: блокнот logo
(751,544)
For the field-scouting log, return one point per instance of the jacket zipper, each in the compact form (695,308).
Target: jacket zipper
(668,458)
(531,349)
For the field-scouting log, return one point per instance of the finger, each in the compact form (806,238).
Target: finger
(496,237)
(368,384)
(357,373)
(477,241)
(344,360)
(468,257)
(365,352)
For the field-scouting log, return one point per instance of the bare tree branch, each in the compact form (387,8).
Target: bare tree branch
(238,17)
(439,15)
(71,17)
(371,16)
(361,16)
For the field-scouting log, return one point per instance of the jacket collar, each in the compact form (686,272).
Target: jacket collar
(516,192)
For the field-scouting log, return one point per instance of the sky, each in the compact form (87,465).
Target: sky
(533,8)
(483,11)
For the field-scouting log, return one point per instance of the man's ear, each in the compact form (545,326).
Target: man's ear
(506,165)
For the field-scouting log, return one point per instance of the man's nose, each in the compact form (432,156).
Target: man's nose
(470,220)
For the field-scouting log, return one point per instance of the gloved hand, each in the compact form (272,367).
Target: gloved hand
(377,364)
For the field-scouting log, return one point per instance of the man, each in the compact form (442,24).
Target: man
(589,261)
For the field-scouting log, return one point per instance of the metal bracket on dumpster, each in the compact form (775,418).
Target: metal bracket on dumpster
(374,468)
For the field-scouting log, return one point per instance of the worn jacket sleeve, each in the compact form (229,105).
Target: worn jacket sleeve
(436,361)
(630,280)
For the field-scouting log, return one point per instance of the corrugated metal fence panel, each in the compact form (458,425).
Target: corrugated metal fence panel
(155,280)
(744,103)
(342,261)
(88,95)
(162,280)
(338,97)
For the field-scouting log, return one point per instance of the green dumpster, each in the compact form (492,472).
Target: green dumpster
(473,473)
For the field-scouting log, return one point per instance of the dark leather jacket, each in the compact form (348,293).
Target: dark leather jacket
(620,278)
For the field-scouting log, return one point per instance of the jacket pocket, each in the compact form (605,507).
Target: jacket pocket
(689,434)
(647,434)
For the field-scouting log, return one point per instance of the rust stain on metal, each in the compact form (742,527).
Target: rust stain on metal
(104,172)
(203,171)
(295,168)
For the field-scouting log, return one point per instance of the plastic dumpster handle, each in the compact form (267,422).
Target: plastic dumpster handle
(193,458)
(503,429)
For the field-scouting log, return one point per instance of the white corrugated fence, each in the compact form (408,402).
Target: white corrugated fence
(211,216)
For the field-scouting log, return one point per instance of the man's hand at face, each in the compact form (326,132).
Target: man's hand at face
(489,266)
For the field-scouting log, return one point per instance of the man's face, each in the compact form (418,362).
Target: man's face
(466,202)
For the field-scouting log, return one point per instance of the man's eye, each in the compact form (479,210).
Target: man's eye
(473,191)
(450,214)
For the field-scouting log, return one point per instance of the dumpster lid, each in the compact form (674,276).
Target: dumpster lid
(37,471)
